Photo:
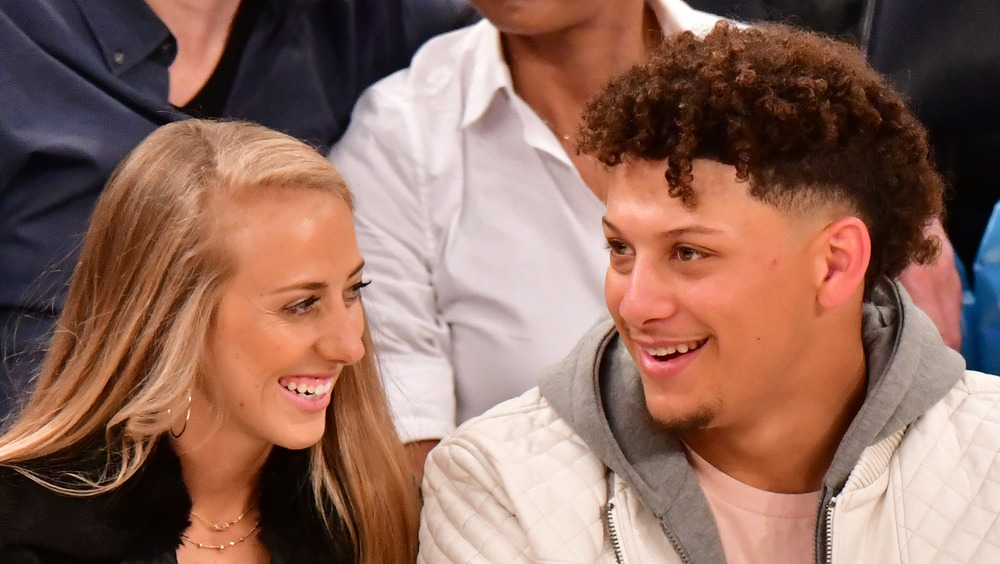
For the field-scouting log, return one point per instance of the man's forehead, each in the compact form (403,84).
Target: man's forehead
(647,179)
(639,201)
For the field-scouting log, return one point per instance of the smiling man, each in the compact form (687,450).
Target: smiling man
(767,391)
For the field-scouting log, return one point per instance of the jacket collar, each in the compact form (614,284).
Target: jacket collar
(145,517)
(598,391)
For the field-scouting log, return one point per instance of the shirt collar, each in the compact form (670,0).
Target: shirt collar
(127,31)
(491,75)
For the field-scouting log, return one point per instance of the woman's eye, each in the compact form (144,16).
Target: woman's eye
(354,292)
(302,306)
(686,254)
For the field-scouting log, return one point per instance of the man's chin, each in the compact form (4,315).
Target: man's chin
(683,424)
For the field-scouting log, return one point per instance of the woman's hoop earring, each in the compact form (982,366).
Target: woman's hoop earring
(186,419)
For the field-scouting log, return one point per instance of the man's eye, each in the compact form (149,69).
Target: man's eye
(617,247)
(686,254)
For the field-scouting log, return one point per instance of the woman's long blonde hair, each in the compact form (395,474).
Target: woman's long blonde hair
(126,349)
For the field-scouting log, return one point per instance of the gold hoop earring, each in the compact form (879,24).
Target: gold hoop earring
(187,418)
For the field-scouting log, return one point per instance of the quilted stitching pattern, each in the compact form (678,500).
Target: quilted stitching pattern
(949,467)
(517,485)
(520,488)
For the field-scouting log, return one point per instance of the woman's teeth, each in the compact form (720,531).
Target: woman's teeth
(306,390)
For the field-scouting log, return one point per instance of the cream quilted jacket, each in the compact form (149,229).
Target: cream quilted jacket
(563,475)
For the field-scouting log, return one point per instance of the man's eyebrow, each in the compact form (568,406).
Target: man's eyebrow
(673,233)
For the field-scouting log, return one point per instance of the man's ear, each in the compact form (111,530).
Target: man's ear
(846,250)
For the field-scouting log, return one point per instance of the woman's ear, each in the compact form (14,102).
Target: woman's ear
(846,249)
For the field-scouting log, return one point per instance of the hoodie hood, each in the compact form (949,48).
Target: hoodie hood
(598,391)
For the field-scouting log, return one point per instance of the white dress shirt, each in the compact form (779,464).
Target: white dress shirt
(483,243)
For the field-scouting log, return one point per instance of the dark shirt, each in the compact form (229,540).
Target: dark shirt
(944,57)
(841,18)
(84,81)
(141,521)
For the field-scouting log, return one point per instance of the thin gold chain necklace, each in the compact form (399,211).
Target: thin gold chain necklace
(224,526)
(224,546)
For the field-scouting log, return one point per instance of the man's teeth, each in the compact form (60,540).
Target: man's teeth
(309,390)
(680,348)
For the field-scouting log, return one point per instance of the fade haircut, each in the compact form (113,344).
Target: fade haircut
(802,117)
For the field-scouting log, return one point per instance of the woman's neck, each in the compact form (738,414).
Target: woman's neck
(221,469)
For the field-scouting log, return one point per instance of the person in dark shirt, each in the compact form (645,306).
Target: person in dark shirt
(84,82)
(945,58)
(842,18)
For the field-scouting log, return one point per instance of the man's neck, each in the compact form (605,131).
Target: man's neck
(199,23)
(201,30)
(788,446)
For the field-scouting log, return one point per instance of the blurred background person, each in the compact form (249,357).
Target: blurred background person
(210,392)
(945,57)
(841,18)
(84,82)
(476,215)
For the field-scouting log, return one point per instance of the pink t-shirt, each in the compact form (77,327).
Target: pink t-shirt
(757,525)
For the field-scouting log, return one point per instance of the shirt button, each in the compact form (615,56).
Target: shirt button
(119,57)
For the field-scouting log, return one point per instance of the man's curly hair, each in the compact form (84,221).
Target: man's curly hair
(799,115)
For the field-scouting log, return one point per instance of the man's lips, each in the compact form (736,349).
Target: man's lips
(663,351)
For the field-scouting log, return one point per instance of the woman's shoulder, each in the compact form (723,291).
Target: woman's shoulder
(138,520)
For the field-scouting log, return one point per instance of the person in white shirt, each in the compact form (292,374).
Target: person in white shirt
(479,223)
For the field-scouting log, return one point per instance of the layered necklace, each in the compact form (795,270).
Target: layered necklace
(218,528)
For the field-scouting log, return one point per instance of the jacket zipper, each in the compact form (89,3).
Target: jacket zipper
(829,530)
(616,543)
(677,545)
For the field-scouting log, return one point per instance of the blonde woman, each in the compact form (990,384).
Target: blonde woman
(210,393)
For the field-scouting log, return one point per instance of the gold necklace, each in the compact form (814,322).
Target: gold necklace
(224,526)
(561,136)
(224,546)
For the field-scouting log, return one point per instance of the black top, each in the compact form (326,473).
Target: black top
(210,101)
(141,521)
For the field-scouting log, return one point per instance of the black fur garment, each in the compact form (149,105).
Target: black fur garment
(141,521)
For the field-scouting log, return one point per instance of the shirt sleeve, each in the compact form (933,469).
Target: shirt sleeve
(382,157)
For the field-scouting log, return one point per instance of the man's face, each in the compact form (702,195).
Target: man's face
(716,304)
